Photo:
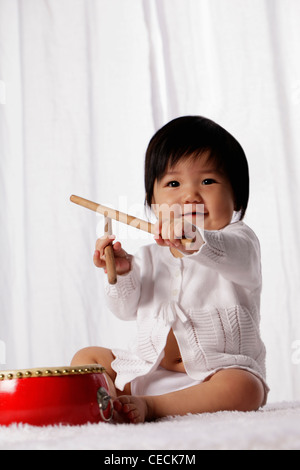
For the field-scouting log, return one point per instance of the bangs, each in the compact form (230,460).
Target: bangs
(210,158)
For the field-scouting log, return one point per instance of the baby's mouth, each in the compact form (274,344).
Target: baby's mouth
(195,214)
(194,210)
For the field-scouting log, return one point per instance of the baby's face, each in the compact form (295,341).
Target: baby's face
(199,190)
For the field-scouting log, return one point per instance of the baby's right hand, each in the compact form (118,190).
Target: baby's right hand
(122,259)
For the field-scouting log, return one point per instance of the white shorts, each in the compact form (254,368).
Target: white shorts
(161,381)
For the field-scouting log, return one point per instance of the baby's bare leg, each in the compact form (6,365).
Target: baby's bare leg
(103,357)
(231,390)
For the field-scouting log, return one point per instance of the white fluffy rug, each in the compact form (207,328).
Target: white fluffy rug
(277,426)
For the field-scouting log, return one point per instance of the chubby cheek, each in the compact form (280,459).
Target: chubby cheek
(166,207)
(220,215)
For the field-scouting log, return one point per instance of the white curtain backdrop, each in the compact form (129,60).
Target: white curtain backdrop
(84,84)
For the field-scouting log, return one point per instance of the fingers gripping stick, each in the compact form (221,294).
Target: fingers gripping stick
(109,254)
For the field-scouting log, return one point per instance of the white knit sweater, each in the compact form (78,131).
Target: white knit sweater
(211,300)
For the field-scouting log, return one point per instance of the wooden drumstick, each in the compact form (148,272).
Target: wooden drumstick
(109,254)
(114,214)
(119,216)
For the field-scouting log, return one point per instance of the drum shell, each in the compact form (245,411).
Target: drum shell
(50,400)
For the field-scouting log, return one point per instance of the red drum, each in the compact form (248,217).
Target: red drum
(60,395)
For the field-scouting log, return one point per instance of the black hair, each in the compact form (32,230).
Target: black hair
(191,136)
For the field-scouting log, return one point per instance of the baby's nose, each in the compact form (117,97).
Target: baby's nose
(193,197)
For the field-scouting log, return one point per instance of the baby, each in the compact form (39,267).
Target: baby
(197,305)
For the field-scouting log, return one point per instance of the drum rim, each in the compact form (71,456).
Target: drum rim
(51,372)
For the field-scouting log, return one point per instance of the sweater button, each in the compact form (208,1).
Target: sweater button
(175,292)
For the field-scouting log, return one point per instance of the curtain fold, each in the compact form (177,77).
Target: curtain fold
(87,83)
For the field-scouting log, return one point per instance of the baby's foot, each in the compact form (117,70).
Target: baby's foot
(129,409)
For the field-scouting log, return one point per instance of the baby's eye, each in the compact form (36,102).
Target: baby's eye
(173,184)
(208,181)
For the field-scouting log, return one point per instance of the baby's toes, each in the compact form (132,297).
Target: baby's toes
(118,405)
(124,399)
(135,416)
(131,412)
(123,409)
(128,407)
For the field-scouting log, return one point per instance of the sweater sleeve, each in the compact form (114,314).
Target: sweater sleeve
(234,252)
(123,297)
